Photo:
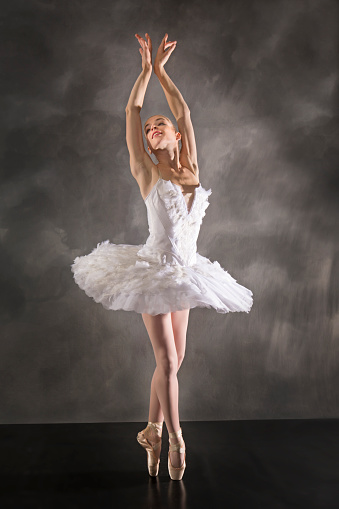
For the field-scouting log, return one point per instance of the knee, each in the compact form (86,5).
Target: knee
(180,359)
(168,365)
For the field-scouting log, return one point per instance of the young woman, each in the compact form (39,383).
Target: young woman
(166,277)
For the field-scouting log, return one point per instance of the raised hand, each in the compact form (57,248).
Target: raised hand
(145,51)
(164,51)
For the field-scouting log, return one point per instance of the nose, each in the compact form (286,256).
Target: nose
(154,128)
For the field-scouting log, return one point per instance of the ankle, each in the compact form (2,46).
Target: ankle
(175,434)
(155,428)
(175,437)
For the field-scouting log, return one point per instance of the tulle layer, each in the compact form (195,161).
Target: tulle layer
(116,277)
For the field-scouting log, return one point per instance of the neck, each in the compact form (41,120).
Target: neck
(169,159)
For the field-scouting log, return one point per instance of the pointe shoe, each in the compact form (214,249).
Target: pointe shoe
(152,460)
(176,473)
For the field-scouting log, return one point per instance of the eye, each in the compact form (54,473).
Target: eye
(163,123)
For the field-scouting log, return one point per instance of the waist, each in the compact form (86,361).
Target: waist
(166,251)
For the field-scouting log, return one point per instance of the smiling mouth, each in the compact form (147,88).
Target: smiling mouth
(157,133)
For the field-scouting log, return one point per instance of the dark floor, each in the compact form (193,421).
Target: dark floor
(234,464)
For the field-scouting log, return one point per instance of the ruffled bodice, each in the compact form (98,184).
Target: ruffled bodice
(173,229)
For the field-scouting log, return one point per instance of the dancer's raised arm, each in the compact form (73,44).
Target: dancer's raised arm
(178,106)
(139,159)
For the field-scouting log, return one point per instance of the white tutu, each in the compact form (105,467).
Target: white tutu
(167,273)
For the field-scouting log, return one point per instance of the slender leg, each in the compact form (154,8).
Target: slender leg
(179,326)
(167,333)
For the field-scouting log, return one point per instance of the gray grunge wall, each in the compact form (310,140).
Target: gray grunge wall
(261,81)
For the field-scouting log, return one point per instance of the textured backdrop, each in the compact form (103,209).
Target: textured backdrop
(261,81)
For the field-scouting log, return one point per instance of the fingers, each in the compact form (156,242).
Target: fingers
(168,43)
(173,44)
(171,49)
(141,40)
(149,41)
(165,39)
(144,44)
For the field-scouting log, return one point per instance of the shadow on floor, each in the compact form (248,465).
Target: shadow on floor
(230,464)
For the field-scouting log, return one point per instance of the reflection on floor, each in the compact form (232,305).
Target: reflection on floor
(230,464)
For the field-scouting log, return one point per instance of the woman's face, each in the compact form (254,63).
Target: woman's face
(159,129)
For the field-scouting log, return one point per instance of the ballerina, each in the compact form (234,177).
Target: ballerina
(165,277)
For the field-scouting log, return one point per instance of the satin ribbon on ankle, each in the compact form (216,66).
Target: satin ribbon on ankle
(156,426)
(180,445)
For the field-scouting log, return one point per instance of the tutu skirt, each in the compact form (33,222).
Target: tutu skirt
(115,276)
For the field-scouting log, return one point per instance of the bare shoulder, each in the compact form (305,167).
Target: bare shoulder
(189,163)
(146,177)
